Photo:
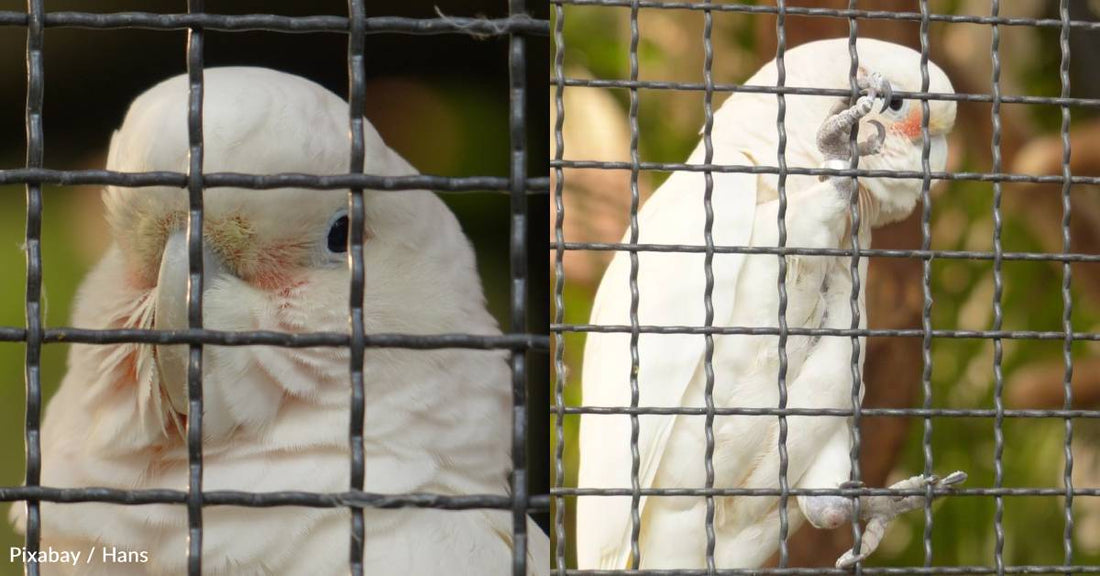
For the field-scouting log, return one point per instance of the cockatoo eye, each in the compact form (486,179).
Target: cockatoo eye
(338,234)
(896,103)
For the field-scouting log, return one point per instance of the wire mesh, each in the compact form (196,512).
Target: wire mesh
(517,26)
(858,253)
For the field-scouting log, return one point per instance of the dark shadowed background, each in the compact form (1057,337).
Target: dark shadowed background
(440,101)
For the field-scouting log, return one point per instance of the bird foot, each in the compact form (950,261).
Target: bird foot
(834,135)
(833,138)
(879,511)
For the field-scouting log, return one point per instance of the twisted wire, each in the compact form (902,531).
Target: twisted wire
(926,281)
(1067,295)
(357,95)
(848,14)
(708,290)
(195,155)
(635,161)
(998,312)
(517,268)
(853,269)
(559,291)
(781,223)
(33,312)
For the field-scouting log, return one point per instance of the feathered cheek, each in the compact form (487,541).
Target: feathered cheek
(910,126)
(273,268)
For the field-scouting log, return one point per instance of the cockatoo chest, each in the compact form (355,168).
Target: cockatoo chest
(818,295)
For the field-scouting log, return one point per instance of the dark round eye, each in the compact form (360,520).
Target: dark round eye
(896,103)
(338,235)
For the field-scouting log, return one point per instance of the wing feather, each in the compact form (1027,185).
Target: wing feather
(671,291)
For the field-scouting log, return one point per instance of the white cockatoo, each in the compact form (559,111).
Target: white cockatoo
(276,418)
(671,287)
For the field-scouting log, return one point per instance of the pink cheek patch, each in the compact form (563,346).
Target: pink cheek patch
(910,126)
(277,269)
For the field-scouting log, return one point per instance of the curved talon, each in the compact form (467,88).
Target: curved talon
(873,145)
(848,560)
(887,95)
(957,477)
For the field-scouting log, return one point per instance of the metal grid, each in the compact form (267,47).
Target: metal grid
(997,177)
(518,341)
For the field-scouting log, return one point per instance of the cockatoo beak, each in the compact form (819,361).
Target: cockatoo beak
(171,313)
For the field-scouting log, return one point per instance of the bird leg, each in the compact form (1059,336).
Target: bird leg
(834,135)
(878,511)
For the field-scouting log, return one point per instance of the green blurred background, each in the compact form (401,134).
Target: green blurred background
(440,101)
(596,203)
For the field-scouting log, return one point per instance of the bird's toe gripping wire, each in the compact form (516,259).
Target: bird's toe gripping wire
(878,511)
(876,86)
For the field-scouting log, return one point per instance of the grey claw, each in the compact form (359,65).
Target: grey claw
(850,484)
(848,560)
(887,95)
(873,145)
(957,477)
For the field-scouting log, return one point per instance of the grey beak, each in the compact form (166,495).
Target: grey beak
(171,313)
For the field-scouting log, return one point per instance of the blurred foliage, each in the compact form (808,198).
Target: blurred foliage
(440,101)
(596,46)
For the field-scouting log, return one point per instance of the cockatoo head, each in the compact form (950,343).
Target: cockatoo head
(274,259)
(896,120)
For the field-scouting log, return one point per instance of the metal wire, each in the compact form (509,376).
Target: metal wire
(811,91)
(635,332)
(876,571)
(839,412)
(517,129)
(559,293)
(520,186)
(351,498)
(926,280)
(1067,295)
(998,312)
(849,14)
(536,186)
(827,332)
(854,432)
(708,289)
(33,309)
(194,291)
(849,492)
(515,24)
(781,224)
(357,93)
(848,172)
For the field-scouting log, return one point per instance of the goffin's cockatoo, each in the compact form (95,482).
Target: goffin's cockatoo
(671,288)
(276,418)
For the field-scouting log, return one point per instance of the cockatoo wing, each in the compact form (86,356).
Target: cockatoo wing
(671,292)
